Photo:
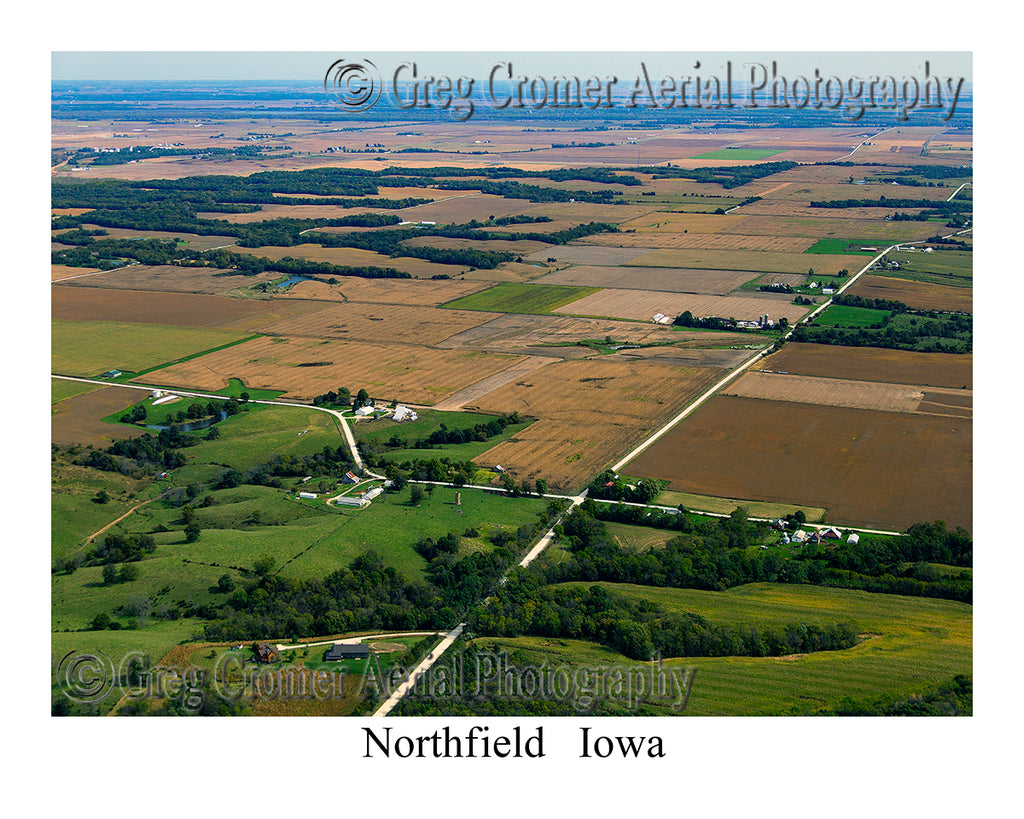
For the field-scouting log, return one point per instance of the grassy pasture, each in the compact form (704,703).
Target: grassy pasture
(522,298)
(910,645)
(846,247)
(841,315)
(949,267)
(745,154)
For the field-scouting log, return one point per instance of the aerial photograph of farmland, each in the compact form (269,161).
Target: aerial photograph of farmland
(398,398)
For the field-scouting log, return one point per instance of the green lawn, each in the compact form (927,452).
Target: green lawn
(61,389)
(535,299)
(747,154)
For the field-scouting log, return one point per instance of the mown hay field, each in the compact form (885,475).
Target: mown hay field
(835,457)
(304,368)
(873,364)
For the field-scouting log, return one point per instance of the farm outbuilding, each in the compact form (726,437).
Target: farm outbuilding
(346,651)
(265,653)
(308,495)
(853,539)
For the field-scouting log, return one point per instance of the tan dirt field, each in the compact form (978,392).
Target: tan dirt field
(521,248)
(641,305)
(277,211)
(882,470)
(191,241)
(394,323)
(76,420)
(918,295)
(837,392)
(873,364)
(177,309)
(387,371)
(750,260)
(474,392)
(675,280)
(461,206)
(590,411)
(385,291)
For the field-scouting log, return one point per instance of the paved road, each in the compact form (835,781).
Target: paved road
(417,672)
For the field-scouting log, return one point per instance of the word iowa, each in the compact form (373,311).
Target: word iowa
(604,747)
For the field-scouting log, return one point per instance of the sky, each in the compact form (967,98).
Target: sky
(311,65)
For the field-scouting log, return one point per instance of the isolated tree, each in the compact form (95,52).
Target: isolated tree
(416,494)
(128,573)
(362,399)
(225,584)
(101,496)
(192,532)
(100,621)
(542,486)
(213,434)
(109,574)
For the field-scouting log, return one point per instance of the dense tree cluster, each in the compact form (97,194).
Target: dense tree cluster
(726,177)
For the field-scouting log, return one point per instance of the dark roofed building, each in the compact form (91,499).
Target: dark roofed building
(266,653)
(346,651)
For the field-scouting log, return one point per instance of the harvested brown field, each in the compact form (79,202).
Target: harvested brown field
(521,248)
(308,367)
(641,305)
(681,223)
(463,207)
(811,191)
(838,392)
(585,212)
(518,332)
(883,470)
(355,257)
(586,254)
(917,295)
(873,364)
(176,309)
(673,280)
(384,291)
(172,279)
(394,323)
(683,355)
(76,420)
(191,241)
(590,412)
(69,211)
(750,260)
(839,225)
(706,241)
(777,208)
(474,392)
(278,211)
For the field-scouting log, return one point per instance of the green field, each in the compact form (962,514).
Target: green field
(950,267)
(910,645)
(847,247)
(725,506)
(61,389)
(746,154)
(840,315)
(89,348)
(534,299)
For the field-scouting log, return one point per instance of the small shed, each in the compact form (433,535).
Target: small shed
(362,412)
(853,539)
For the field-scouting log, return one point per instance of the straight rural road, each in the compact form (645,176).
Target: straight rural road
(396,697)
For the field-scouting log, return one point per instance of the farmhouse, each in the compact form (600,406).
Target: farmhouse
(346,651)
(265,653)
